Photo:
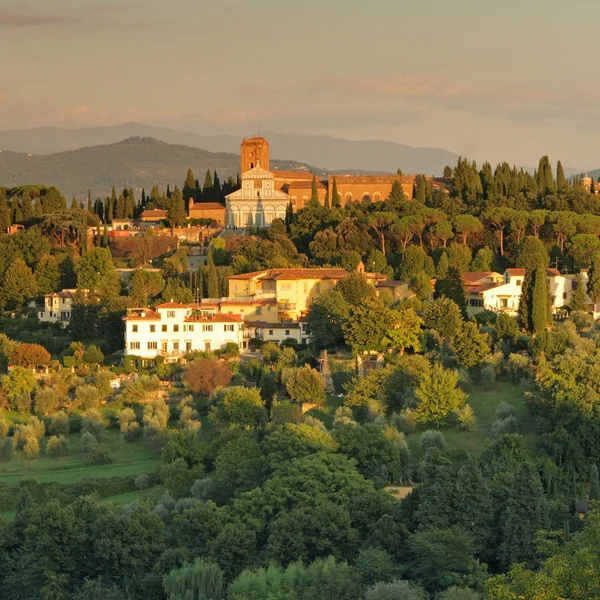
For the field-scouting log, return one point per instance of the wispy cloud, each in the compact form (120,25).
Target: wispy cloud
(13,18)
(397,85)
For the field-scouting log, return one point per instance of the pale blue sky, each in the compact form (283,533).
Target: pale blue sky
(493,80)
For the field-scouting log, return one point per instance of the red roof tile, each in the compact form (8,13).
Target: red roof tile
(142,315)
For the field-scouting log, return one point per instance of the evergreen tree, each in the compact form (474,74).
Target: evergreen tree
(335,197)
(200,282)
(314,195)
(216,188)
(37,208)
(26,206)
(420,192)
(539,302)
(120,212)
(4,213)
(452,287)
(561,180)
(129,205)
(168,191)
(89,200)
(207,188)
(289,214)
(213,282)
(176,212)
(105,236)
(326,200)
(578,300)
(397,192)
(189,189)
(544,177)
(593,284)
(15,210)
(525,299)
(442,266)
(594,492)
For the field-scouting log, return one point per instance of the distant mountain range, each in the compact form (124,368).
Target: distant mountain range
(134,162)
(327,153)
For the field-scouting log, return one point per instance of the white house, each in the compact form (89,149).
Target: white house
(172,330)
(58,307)
(501,293)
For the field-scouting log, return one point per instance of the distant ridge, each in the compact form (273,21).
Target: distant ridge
(134,162)
(325,152)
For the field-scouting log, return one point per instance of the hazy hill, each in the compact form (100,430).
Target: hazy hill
(134,162)
(323,151)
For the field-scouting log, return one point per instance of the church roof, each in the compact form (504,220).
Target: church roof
(257,173)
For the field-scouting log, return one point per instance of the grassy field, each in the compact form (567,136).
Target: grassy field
(129,459)
(484,404)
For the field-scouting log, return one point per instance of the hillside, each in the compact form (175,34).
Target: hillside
(326,152)
(134,162)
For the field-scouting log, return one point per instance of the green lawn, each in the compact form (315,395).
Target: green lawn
(130,459)
(484,404)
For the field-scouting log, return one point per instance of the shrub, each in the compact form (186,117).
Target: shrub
(3,428)
(432,439)
(57,445)
(95,452)
(507,425)
(205,375)
(93,355)
(38,427)
(203,489)
(93,422)
(6,449)
(22,401)
(156,416)
(59,423)
(102,381)
(582,320)
(306,385)
(230,350)
(518,367)
(46,401)
(87,397)
(487,377)
(31,449)
(142,481)
(504,410)
(466,418)
(396,590)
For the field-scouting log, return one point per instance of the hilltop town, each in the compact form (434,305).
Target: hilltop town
(384,383)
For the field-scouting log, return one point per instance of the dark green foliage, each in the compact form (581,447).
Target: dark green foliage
(539,302)
(212,285)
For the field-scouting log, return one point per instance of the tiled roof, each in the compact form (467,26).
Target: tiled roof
(294,274)
(266,325)
(282,174)
(305,185)
(390,283)
(474,276)
(207,206)
(479,288)
(252,301)
(521,272)
(158,213)
(142,315)
(220,318)
(173,305)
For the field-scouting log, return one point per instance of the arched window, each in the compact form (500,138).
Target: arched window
(366,197)
(348,197)
(293,200)
(376,197)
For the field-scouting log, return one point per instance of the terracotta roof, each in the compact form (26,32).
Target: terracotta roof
(518,272)
(292,174)
(207,206)
(220,318)
(266,325)
(252,301)
(294,274)
(474,276)
(64,294)
(158,212)
(390,283)
(305,185)
(479,288)
(173,305)
(142,315)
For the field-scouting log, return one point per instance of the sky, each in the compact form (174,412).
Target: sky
(488,79)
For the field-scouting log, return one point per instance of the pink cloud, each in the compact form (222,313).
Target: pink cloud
(20,18)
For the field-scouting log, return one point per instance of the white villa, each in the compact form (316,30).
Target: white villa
(258,201)
(58,307)
(501,293)
(172,330)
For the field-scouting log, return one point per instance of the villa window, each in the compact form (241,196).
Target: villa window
(134,345)
(519,282)
(134,328)
(164,328)
(207,327)
(175,346)
(228,328)
(176,328)
(259,310)
(188,346)
(170,314)
(152,345)
(152,328)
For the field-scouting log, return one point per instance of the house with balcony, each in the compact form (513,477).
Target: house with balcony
(172,330)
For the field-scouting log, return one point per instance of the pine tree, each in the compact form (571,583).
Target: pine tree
(539,302)
(397,192)
(74,203)
(213,282)
(335,197)
(168,191)
(578,300)
(443,266)
(452,287)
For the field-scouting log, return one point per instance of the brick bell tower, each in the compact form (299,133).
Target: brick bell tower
(254,152)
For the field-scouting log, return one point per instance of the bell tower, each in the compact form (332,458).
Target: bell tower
(254,152)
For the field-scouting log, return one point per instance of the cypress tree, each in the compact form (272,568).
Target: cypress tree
(326,201)
(421,189)
(189,189)
(213,282)
(207,188)
(593,284)
(4,213)
(539,302)
(289,214)
(524,310)
(15,209)
(314,195)
(594,493)
(544,177)
(561,180)
(452,287)
(89,201)
(216,188)
(200,282)
(120,211)
(37,208)
(105,236)
(335,197)
(443,266)
(26,207)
